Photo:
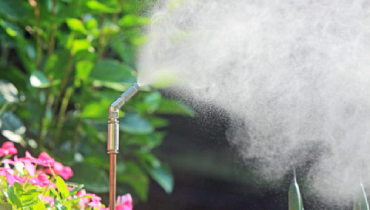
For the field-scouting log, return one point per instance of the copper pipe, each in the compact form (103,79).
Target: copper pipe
(113,139)
(112,181)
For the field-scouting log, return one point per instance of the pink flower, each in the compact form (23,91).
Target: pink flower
(30,168)
(64,171)
(95,200)
(12,178)
(82,201)
(45,159)
(49,200)
(41,180)
(29,158)
(124,202)
(8,149)
(6,171)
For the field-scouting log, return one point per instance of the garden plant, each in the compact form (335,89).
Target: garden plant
(38,183)
(62,63)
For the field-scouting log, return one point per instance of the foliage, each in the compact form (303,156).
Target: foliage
(62,63)
(37,183)
(360,202)
(295,198)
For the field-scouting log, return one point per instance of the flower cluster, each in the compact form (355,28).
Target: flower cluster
(38,183)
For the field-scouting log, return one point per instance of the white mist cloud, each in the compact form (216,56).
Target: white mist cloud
(293,74)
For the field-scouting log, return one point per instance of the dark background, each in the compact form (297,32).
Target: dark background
(208,171)
(210,174)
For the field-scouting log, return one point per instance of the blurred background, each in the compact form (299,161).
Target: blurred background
(63,62)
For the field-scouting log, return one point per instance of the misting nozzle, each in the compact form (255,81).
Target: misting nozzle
(113,126)
(117,104)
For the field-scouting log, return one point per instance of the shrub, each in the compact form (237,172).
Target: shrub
(38,183)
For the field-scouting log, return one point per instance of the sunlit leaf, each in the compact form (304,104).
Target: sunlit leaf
(76,25)
(39,80)
(11,127)
(98,109)
(133,20)
(83,69)
(8,92)
(99,7)
(62,187)
(11,29)
(81,45)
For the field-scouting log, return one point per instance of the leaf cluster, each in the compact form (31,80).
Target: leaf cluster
(62,63)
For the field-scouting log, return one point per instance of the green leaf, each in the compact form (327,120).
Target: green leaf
(133,20)
(295,199)
(136,178)
(8,92)
(59,206)
(360,202)
(18,187)
(83,69)
(99,7)
(93,178)
(12,9)
(112,71)
(62,187)
(152,101)
(30,198)
(76,189)
(5,206)
(11,29)
(134,124)
(81,45)
(39,80)
(13,197)
(158,122)
(92,24)
(76,25)
(55,64)
(162,175)
(96,110)
(149,141)
(169,106)
(11,127)
(38,205)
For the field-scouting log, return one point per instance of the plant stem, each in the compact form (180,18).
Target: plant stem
(64,83)
(62,112)
(42,133)
(3,107)
(36,12)
(75,135)
(102,42)
(52,28)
